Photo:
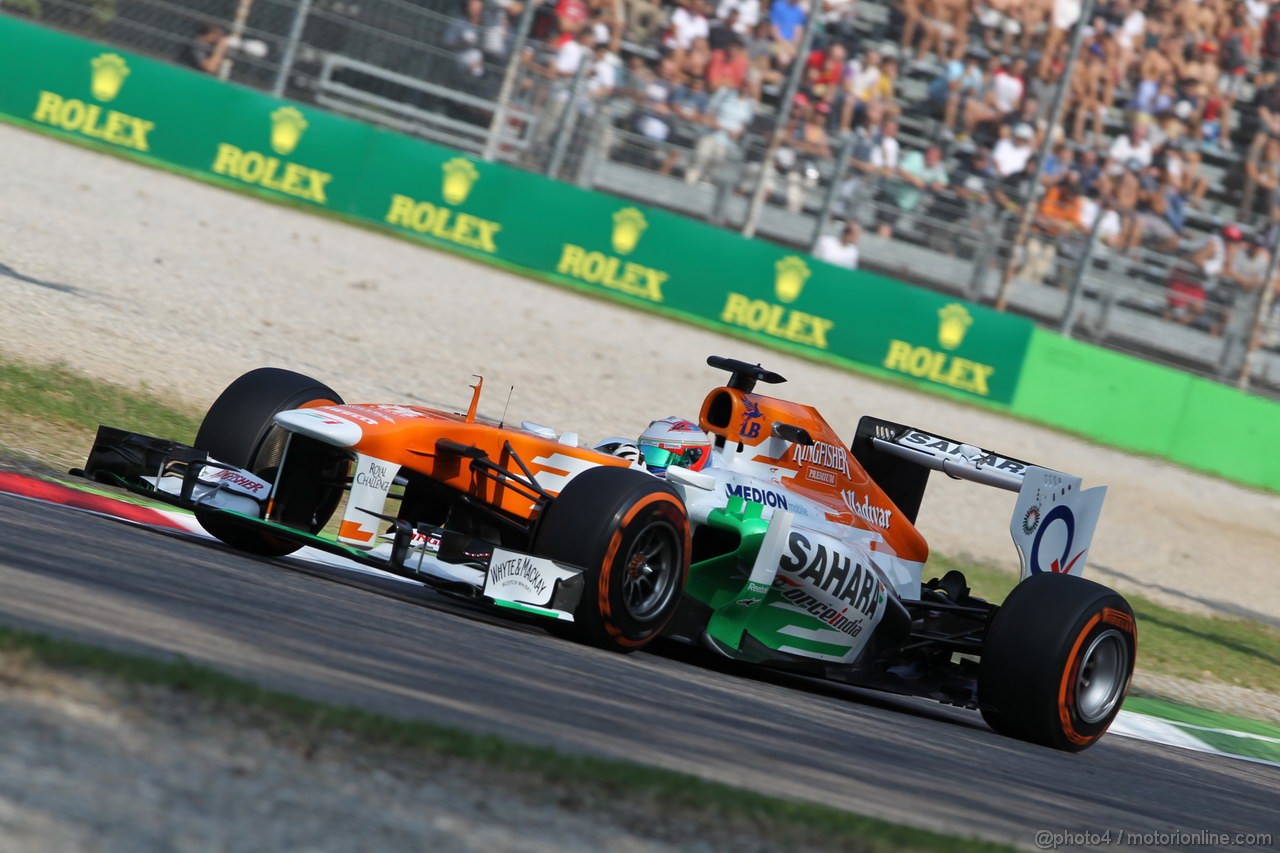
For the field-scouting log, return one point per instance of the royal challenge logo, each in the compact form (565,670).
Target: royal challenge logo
(443,220)
(611,270)
(108,73)
(284,132)
(776,319)
(924,362)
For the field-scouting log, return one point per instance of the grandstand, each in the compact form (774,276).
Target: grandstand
(1147,223)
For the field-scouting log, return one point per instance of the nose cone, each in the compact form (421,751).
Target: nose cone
(322,426)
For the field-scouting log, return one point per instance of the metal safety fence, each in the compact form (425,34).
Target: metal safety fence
(582,95)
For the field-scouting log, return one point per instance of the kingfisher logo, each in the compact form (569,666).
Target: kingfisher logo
(824,456)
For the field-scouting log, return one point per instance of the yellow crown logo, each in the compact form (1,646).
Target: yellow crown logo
(287,126)
(954,323)
(792,274)
(109,71)
(628,226)
(459,176)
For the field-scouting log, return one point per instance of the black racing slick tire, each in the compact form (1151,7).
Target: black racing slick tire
(1057,661)
(239,429)
(630,531)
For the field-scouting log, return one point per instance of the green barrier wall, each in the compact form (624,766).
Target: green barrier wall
(642,256)
(1149,408)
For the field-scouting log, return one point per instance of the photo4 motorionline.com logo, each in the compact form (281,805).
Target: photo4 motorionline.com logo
(1049,840)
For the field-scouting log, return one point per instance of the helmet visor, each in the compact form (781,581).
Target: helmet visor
(657,456)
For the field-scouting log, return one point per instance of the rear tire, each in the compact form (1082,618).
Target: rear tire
(239,429)
(630,531)
(1057,661)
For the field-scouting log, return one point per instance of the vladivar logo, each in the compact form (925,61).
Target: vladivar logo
(284,134)
(610,271)
(108,73)
(442,221)
(777,320)
(944,368)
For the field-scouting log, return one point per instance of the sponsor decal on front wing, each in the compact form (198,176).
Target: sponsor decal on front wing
(522,579)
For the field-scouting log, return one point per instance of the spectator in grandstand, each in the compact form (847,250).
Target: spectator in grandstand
(842,250)
(946,23)
(902,192)
(1010,192)
(1057,220)
(875,155)
(695,61)
(1087,170)
(688,24)
(867,82)
(743,15)
(769,58)
(1159,214)
(207,50)
(981,114)
(1012,153)
(825,73)
(1058,165)
(1267,102)
(1188,300)
(1233,302)
(957,80)
(1132,145)
(729,113)
(1194,182)
(1028,113)
(653,118)
(1237,45)
(1090,84)
(1261,178)
(729,67)
(1109,233)
(645,20)
(787,18)
(803,146)
(574,51)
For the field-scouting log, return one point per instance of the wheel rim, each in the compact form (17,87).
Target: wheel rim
(1103,671)
(651,572)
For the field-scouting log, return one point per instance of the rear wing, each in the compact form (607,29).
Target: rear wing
(1053,518)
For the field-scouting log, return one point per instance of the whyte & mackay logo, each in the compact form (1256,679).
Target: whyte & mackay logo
(107,75)
(610,271)
(954,321)
(441,220)
(287,125)
(779,321)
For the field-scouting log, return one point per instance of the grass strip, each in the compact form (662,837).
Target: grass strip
(597,780)
(38,395)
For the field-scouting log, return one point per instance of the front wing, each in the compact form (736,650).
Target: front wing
(436,557)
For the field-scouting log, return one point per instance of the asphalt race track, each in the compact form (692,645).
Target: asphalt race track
(92,579)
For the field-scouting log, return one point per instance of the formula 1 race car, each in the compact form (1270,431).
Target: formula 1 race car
(785,548)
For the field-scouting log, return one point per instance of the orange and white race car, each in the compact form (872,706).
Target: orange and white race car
(770,541)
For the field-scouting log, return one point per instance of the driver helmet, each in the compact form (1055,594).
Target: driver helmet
(674,441)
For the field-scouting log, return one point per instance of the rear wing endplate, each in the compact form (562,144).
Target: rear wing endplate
(1053,519)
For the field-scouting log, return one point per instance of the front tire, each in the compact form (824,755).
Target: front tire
(630,531)
(239,429)
(1057,661)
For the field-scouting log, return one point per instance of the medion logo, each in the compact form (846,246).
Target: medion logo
(611,271)
(270,172)
(442,221)
(108,72)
